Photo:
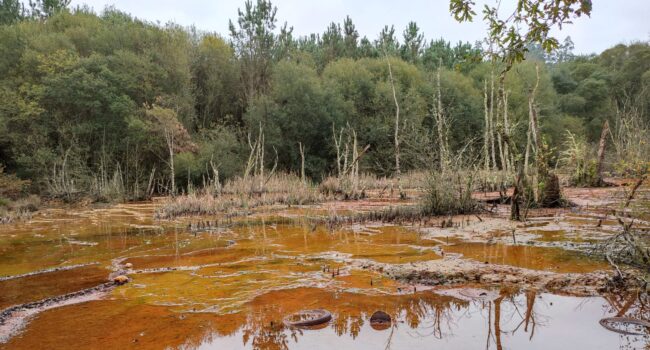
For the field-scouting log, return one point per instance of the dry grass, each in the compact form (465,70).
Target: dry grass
(19,210)
(241,193)
(332,186)
(491,181)
(450,193)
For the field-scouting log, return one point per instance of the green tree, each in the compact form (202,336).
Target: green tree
(530,22)
(11,11)
(255,43)
(412,47)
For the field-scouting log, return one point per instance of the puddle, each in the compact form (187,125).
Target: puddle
(424,320)
(529,257)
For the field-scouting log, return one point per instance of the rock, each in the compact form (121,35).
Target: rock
(121,279)
(307,318)
(380,320)
(128,265)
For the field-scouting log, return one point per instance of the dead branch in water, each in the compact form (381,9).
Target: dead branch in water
(628,246)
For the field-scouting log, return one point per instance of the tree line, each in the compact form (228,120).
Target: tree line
(107,103)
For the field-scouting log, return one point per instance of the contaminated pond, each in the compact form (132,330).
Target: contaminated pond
(228,283)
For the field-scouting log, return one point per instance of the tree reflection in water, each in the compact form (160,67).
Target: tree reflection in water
(423,315)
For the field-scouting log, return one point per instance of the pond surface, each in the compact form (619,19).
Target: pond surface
(217,283)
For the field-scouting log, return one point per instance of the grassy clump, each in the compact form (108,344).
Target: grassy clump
(345,187)
(449,193)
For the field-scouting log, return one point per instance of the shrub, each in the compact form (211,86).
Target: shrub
(449,193)
(11,186)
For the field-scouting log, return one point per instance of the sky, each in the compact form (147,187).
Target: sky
(611,22)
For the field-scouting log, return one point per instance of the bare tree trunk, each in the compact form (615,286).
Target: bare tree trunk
(493,153)
(534,130)
(601,151)
(301,148)
(355,165)
(337,143)
(169,138)
(261,158)
(532,108)
(499,137)
(506,127)
(398,171)
(529,140)
(486,134)
(441,123)
(252,157)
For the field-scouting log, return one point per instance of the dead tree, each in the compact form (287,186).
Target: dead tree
(506,127)
(601,152)
(533,133)
(169,139)
(486,133)
(337,144)
(398,172)
(500,126)
(301,148)
(441,122)
(493,153)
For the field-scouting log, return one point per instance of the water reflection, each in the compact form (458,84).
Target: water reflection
(427,320)
(249,274)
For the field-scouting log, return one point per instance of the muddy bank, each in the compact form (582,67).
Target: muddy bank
(14,319)
(40,272)
(455,271)
(39,286)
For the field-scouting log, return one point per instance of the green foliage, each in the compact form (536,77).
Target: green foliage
(531,23)
(86,99)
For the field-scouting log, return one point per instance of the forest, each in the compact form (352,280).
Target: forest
(87,100)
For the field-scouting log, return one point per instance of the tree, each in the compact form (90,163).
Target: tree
(398,171)
(164,121)
(350,38)
(215,81)
(387,42)
(47,8)
(332,44)
(412,47)
(255,43)
(530,22)
(11,11)
(297,109)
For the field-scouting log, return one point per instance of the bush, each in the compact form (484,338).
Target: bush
(11,186)
(449,193)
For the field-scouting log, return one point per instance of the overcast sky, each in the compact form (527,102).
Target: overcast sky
(611,22)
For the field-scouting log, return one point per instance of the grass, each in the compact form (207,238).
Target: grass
(449,193)
(343,187)
(19,209)
(240,193)
(446,194)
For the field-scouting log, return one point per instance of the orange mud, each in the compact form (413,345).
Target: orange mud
(227,283)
